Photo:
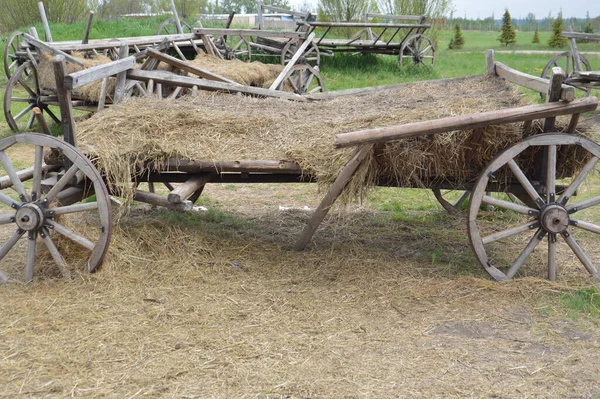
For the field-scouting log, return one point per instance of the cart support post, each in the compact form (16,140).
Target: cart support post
(490,63)
(64,100)
(88,27)
(554,88)
(332,195)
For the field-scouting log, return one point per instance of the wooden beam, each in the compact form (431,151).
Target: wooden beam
(64,100)
(579,35)
(50,49)
(194,166)
(176,17)
(279,80)
(336,189)
(489,60)
(121,76)
(532,82)
(366,25)
(85,76)
(465,122)
(164,77)
(45,22)
(250,32)
(185,190)
(185,66)
(101,44)
(161,200)
(553,95)
(88,27)
(394,17)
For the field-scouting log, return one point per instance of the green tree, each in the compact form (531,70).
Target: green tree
(557,40)
(536,37)
(343,10)
(507,32)
(457,41)
(19,13)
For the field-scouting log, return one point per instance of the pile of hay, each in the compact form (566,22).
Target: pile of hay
(225,128)
(247,73)
(88,92)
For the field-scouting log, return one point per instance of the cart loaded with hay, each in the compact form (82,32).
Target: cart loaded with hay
(474,134)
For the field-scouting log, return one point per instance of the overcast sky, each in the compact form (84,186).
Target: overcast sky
(520,8)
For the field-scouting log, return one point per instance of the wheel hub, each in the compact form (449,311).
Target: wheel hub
(29,217)
(554,219)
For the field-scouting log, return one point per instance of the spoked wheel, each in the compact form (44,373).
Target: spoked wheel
(505,240)
(22,94)
(39,207)
(234,47)
(303,79)
(452,201)
(311,56)
(14,54)
(417,49)
(566,62)
(169,27)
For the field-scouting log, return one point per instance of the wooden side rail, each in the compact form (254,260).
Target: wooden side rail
(462,122)
(579,35)
(250,32)
(365,25)
(89,75)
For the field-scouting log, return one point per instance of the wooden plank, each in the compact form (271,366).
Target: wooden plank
(172,79)
(395,17)
(102,44)
(251,166)
(176,17)
(187,67)
(45,22)
(161,200)
(185,190)
(50,49)
(259,7)
(465,122)
(88,27)
(102,96)
(121,76)
(490,64)
(579,35)
(553,95)
(575,51)
(279,80)
(366,25)
(64,100)
(532,82)
(249,32)
(89,75)
(336,189)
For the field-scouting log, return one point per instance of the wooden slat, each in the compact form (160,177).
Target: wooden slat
(531,82)
(366,25)
(88,27)
(64,99)
(161,200)
(279,80)
(184,66)
(579,35)
(50,49)
(185,190)
(85,76)
(121,76)
(465,122)
(45,21)
(250,32)
(259,166)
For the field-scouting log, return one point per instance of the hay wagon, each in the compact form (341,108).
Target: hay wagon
(577,68)
(545,173)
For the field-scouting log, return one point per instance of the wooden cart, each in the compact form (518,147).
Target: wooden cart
(64,181)
(577,68)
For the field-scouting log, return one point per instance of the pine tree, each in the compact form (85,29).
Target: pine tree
(508,34)
(536,37)
(457,41)
(557,40)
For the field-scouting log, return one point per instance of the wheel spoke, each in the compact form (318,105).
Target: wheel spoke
(27,88)
(5,199)
(551,174)
(51,114)
(30,266)
(19,100)
(37,172)
(510,206)
(568,193)
(552,257)
(535,240)
(57,188)
(24,112)
(586,226)
(10,243)
(63,210)
(510,232)
(17,184)
(578,251)
(58,259)
(525,182)
(7,217)
(71,235)
(30,121)
(583,205)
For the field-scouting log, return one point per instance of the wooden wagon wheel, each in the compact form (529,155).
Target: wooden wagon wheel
(14,54)
(566,62)
(312,55)
(169,27)
(556,215)
(234,47)
(22,94)
(417,49)
(300,79)
(39,210)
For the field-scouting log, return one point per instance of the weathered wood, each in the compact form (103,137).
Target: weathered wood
(88,27)
(580,35)
(395,17)
(365,25)
(185,190)
(336,189)
(204,84)
(64,99)
(33,32)
(102,96)
(284,11)
(538,84)
(261,23)
(141,41)
(41,121)
(194,166)
(187,67)
(553,95)
(176,17)
(85,76)
(161,200)
(45,22)
(465,122)
(301,49)
(575,51)
(490,63)
(121,76)
(178,50)
(250,33)
(50,49)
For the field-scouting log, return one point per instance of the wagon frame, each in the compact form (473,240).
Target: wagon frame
(75,178)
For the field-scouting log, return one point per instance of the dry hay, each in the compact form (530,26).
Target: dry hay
(225,128)
(90,91)
(247,73)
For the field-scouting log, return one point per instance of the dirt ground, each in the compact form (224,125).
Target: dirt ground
(213,305)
